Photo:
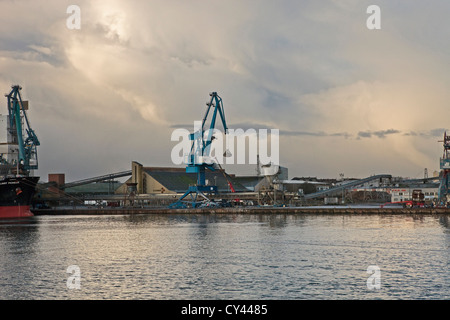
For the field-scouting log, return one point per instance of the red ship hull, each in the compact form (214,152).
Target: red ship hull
(16,194)
(15,212)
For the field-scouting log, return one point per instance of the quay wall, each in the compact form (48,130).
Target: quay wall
(243,210)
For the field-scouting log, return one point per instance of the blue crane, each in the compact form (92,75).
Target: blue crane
(27,157)
(444,178)
(199,158)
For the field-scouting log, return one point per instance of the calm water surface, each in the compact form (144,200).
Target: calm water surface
(200,257)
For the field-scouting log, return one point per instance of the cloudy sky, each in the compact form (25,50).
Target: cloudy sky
(346,99)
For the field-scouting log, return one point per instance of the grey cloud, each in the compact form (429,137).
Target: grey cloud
(380,133)
(384,133)
(264,61)
(182,126)
(282,132)
(438,132)
(257,126)
(364,134)
(243,125)
(315,134)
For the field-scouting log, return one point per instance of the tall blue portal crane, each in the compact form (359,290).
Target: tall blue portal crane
(27,145)
(445,173)
(199,158)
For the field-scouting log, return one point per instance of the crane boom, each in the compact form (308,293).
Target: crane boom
(27,157)
(199,158)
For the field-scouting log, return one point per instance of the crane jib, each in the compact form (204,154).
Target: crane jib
(199,156)
(27,155)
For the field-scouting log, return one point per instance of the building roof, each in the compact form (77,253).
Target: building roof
(95,188)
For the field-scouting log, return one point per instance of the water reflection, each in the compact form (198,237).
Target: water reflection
(444,220)
(15,232)
(226,256)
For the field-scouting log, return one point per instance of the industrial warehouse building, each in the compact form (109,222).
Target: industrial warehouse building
(169,180)
(148,180)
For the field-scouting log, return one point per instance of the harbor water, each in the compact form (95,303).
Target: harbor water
(226,256)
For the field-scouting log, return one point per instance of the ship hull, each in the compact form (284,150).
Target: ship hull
(16,195)
(15,212)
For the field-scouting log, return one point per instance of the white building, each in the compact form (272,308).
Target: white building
(405,194)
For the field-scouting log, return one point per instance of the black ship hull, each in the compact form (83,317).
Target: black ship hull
(16,195)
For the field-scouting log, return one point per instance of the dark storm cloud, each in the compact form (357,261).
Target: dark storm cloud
(308,68)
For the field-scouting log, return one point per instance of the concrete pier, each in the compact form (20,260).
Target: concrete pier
(242,210)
